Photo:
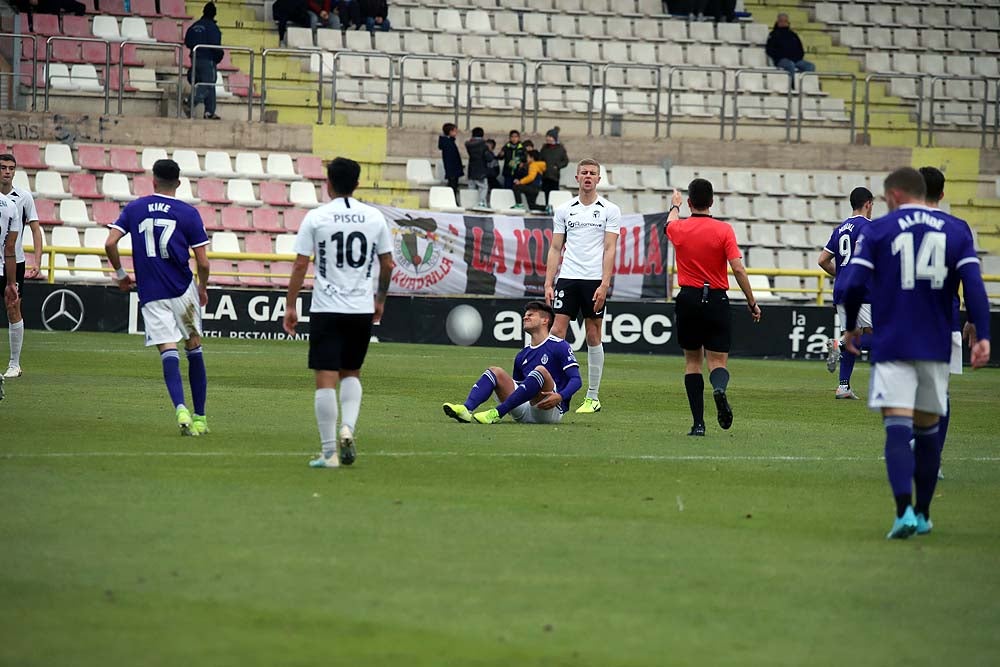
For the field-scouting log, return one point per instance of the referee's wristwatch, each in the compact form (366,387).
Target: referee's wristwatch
(751,306)
(672,207)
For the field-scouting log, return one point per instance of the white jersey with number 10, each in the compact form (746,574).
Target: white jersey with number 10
(344,237)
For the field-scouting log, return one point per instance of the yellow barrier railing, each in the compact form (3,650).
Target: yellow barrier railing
(824,283)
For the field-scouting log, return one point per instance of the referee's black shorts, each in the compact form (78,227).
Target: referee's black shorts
(702,323)
(18,276)
(338,341)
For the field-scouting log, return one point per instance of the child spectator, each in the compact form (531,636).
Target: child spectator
(449,154)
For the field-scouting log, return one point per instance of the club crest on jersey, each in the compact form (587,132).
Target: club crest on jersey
(422,255)
(545,359)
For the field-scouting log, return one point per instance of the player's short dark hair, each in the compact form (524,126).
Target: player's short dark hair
(513,132)
(491,142)
(478,132)
(701,193)
(933,181)
(908,180)
(534,155)
(343,175)
(167,171)
(448,127)
(860,197)
(542,307)
(8,157)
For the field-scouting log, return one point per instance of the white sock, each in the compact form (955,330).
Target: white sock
(16,341)
(595,368)
(326,419)
(350,401)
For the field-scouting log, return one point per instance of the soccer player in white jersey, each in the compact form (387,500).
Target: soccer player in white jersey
(587,227)
(27,216)
(912,261)
(344,237)
(10,227)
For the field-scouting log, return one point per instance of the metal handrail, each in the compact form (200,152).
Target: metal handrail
(696,68)
(454,60)
(107,65)
(178,48)
(829,75)
(772,71)
(524,84)
(604,87)
(389,88)
(290,52)
(882,76)
(17,58)
(231,49)
(986,97)
(590,89)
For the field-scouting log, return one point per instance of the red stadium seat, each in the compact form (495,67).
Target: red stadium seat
(293,219)
(84,186)
(144,8)
(96,54)
(213,191)
(131,56)
(216,267)
(274,194)
(46,25)
(113,7)
(142,186)
(235,219)
(253,266)
(226,64)
(90,6)
(46,209)
(105,212)
(28,156)
(26,45)
(210,218)
(126,161)
(66,51)
(93,158)
(283,268)
(76,26)
(38,80)
(174,8)
(266,220)
(311,167)
(257,243)
(113,80)
(239,84)
(166,31)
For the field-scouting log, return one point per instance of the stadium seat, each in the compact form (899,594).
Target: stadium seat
(742,235)
(21,180)
(274,193)
(793,236)
(626,177)
(105,212)
(144,8)
(468,199)
(266,220)
(150,156)
(764,234)
(94,237)
(235,219)
(210,218)
(279,165)
(174,9)
(28,156)
(559,197)
(74,212)
(106,27)
(84,78)
(46,209)
(184,191)
(58,76)
(257,243)
(738,207)
(84,186)
(292,219)
(653,178)
(738,180)
(284,244)
(419,172)
(165,30)
(252,266)
(605,183)
(46,25)
(795,208)
(65,237)
(303,193)
(219,267)
(760,258)
(225,242)
(240,192)
(249,165)
(188,162)
(649,203)
(60,158)
(49,184)
(116,186)
(219,164)
(134,29)
(212,191)
(502,200)
(93,158)
(766,208)
(125,160)
(88,269)
(442,198)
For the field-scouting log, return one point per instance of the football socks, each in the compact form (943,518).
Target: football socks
(198,379)
(899,460)
(694,383)
(526,391)
(350,401)
(719,379)
(595,369)
(943,422)
(326,419)
(927,460)
(847,359)
(481,391)
(172,376)
(16,336)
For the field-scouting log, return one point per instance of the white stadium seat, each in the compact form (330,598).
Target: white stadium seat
(225,242)
(74,212)
(218,164)
(188,162)
(150,156)
(442,198)
(60,158)
(83,266)
(303,193)
(49,185)
(116,186)
(249,165)
(240,192)
(279,165)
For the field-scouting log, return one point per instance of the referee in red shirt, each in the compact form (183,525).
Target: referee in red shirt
(702,247)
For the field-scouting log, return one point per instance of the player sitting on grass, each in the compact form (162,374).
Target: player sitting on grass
(545,376)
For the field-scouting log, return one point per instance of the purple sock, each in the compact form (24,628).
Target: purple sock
(943,423)
(865,341)
(927,457)
(526,391)
(198,379)
(482,390)
(172,376)
(846,366)
(899,462)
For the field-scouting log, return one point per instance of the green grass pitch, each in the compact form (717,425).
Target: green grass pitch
(607,540)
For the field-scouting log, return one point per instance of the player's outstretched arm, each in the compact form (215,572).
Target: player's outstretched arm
(294,287)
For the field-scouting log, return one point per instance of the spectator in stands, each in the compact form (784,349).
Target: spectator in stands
(511,158)
(531,184)
(453,169)
(479,154)
(492,165)
(323,14)
(295,12)
(784,48)
(51,7)
(555,158)
(375,14)
(350,14)
(204,71)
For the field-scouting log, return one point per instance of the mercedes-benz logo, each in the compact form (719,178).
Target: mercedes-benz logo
(62,311)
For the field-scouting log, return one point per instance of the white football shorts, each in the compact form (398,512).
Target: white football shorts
(956,353)
(864,316)
(171,320)
(526,413)
(916,385)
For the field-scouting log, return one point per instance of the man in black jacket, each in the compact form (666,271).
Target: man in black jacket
(203,70)
(784,48)
(375,14)
(555,158)
(478,156)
